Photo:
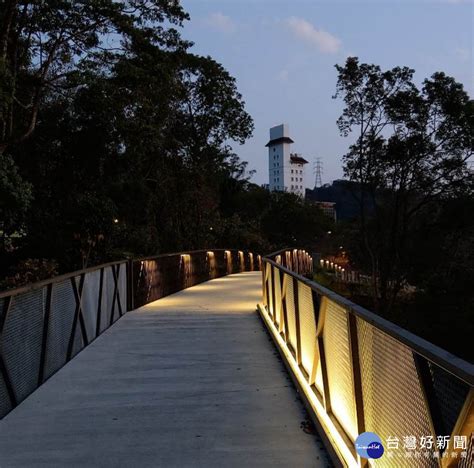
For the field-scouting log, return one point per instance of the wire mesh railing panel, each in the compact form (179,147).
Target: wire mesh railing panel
(5,403)
(63,306)
(122,287)
(160,276)
(278,305)
(78,341)
(308,326)
(468,461)
(42,326)
(250,262)
(394,406)
(338,358)
(235,259)
(212,265)
(188,270)
(90,301)
(271,305)
(21,341)
(102,304)
(291,313)
(105,300)
(111,312)
(372,376)
(319,376)
(450,394)
(221,264)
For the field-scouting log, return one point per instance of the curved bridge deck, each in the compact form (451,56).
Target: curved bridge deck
(191,380)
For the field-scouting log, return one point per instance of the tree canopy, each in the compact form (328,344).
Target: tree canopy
(412,149)
(117,139)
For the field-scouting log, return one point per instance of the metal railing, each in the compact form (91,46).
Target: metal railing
(159,276)
(44,325)
(359,372)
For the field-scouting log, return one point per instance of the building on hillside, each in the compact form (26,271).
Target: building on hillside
(328,208)
(345,195)
(285,169)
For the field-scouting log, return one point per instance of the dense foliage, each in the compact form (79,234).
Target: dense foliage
(411,173)
(412,151)
(115,142)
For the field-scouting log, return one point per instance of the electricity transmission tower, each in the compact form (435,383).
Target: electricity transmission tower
(318,172)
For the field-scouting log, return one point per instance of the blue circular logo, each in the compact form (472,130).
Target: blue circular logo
(369,445)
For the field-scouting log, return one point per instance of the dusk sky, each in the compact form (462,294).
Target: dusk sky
(283,53)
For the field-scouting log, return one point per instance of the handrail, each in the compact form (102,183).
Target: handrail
(64,276)
(278,252)
(45,324)
(56,279)
(359,372)
(151,279)
(451,363)
(187,252)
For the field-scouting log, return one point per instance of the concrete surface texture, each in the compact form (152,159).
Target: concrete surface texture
(191,380)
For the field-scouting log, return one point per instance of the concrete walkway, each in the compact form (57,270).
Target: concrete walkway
(191,380)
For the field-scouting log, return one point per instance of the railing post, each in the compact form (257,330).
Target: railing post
(130,298)
(114,296)
(319,323)
(463,427)
(44,338)
(272,279)
(284,287)
(320,307)
(266,274)
(99,304)
(433,410)
(356,371)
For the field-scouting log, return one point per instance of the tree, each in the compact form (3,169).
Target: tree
(290,221)
(15,199)
(144,143)
(412,149)
(131,149)
(43,43)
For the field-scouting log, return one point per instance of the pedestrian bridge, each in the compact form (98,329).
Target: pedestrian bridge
(225,358)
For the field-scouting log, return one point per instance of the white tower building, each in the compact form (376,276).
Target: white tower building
(285,169)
